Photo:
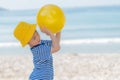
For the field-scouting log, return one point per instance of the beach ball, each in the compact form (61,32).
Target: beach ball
(52,17)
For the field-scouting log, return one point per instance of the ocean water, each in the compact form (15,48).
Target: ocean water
(87,30)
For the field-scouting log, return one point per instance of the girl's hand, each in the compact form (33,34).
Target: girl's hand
(46,31)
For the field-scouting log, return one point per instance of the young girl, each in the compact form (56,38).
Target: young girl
(41,49)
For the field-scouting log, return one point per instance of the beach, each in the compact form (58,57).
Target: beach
(90,45)
(67,66)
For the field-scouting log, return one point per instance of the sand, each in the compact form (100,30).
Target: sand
(67,66)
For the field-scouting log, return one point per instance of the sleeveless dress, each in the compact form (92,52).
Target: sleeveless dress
(43,61)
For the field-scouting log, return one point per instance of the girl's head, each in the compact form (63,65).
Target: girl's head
(24,32)
(35,40)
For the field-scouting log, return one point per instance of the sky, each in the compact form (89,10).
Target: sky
(33,4)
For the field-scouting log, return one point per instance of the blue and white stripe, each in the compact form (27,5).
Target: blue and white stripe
(43,61)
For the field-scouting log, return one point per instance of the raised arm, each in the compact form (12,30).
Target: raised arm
(55,42)
(55,39)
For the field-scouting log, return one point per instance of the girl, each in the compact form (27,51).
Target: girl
(41,49)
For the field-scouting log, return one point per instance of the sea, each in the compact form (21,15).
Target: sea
(87,30)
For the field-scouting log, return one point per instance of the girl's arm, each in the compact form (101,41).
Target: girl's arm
(55,42)
(55,39)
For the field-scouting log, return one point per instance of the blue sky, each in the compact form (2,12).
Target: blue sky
(32,4)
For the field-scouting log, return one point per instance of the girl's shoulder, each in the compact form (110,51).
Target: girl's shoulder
(44,41)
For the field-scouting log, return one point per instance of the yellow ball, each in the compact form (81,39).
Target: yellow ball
(52,17)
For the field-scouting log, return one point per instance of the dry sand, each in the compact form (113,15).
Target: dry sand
(66,67)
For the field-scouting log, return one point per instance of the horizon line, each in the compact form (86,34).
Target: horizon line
(64,7)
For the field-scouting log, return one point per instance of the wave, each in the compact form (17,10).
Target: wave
(9,44)
(91,41)
(71,42)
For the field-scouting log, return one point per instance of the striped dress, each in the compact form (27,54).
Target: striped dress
(43,61)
